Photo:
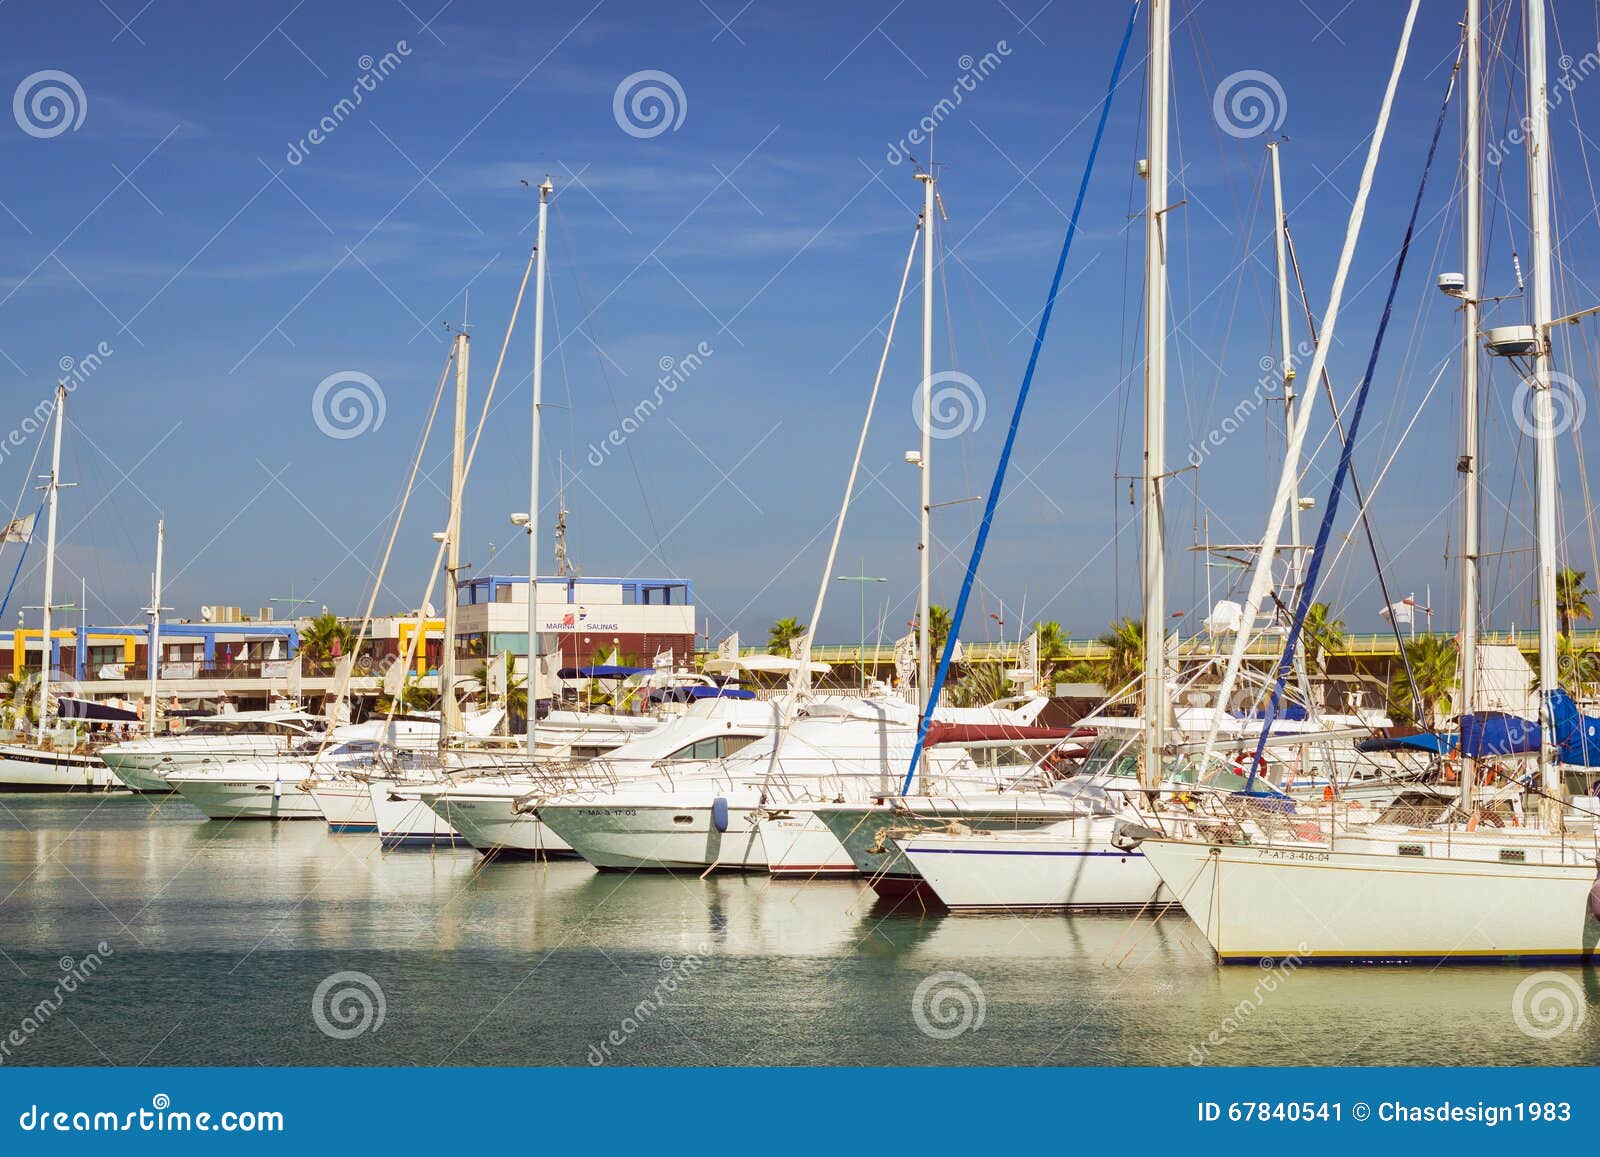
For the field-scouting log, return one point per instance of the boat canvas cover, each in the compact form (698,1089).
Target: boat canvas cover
(68,708)
(1577,734)
(993,732)
(1489,733)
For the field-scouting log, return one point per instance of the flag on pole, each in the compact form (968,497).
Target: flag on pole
(1404,612)
(18,529)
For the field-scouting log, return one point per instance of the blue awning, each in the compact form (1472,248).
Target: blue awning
(1428,741)
(602,672)
(1490,733)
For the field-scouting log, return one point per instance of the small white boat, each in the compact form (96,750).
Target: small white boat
(495,812)
(144,764)
(248,789)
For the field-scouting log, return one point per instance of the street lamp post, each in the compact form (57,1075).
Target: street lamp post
(861,580)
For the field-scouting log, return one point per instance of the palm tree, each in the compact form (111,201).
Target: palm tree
(1572,598)
(412,696)
(1323,631)
(326,638)
(782,633)
(1433,665)
(1126,642)
(21,698)
(938,628)
(515,697)
(1052,641)
(983,683)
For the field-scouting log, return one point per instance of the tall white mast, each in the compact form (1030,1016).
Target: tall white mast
(533,478)
(1155,384)
(1286,362)
(458,462)
(52,489)
(1286,367)
(154,656)
(925,466)
(1471,213)
(1543,408)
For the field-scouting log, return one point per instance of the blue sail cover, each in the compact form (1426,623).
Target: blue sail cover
(1577,734)
(1490,733)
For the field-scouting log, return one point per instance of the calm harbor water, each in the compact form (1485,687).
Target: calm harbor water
(217,937)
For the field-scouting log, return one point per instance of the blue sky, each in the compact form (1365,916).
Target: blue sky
(231,266)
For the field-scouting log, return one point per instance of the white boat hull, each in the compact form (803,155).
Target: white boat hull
(492,824)
(799,844)
(30,769)
(143,765)
(404,821)
(683,836)
(224,797)
(1073,865)
(1261,902)
(346,804)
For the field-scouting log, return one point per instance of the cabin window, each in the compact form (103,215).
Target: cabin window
(1411,850)
(1513,855)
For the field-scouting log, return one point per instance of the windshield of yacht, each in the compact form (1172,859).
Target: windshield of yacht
(1083,790)
(1114,754)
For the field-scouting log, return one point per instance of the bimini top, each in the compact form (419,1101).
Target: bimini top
(602,672)
(763,664)
(693,693)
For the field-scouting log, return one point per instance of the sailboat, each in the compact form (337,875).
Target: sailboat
(1261,885)
(56,758)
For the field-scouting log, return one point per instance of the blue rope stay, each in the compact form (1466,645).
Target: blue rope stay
(23,554)
(1016,414)
(1347,450)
